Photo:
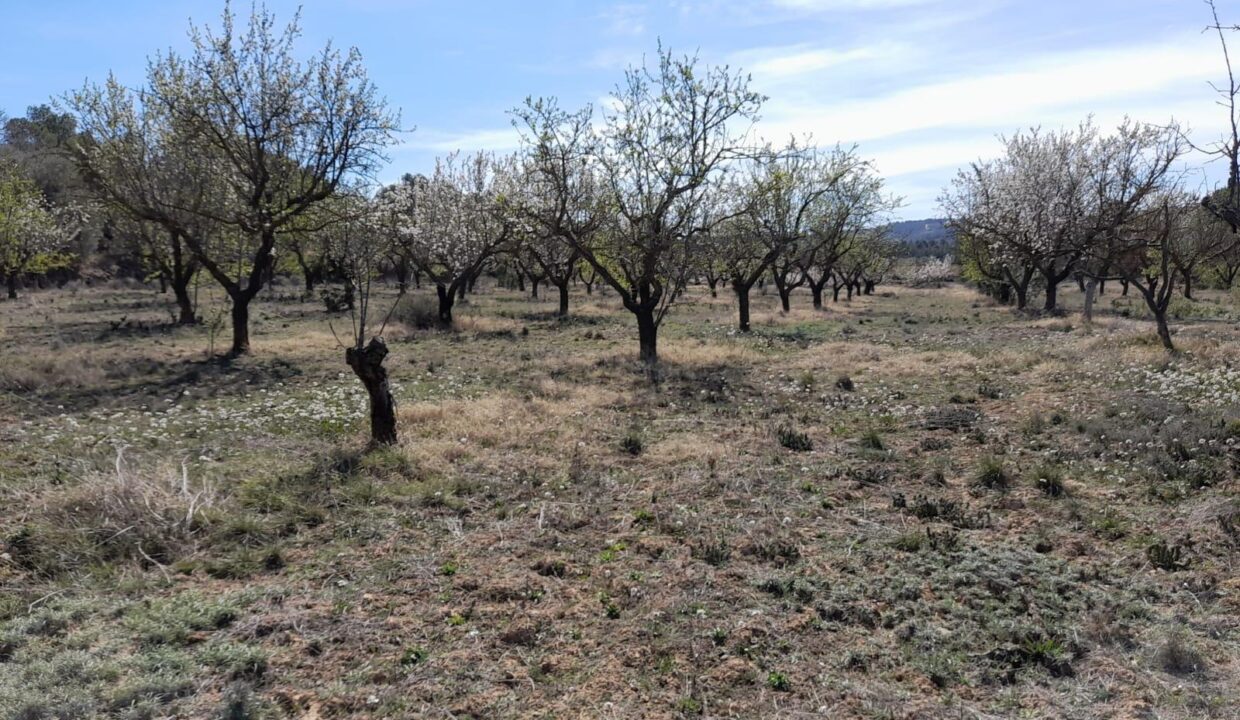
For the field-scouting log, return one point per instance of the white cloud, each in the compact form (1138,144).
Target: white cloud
(783,63)
(625,19)
(835,5)
(1025,94)
(439,141)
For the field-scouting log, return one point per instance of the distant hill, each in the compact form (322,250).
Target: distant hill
(923,238)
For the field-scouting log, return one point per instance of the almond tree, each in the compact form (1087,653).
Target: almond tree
(162,251)
(781,194)
(279,135)
(1225,202)
(667,133)
(142,168)
(550,213)
(1154,248)
(1226,267)
(563,199)
(359,245)
(1054,196)
(34,236)
(855,205)
(867,261)
(457,220)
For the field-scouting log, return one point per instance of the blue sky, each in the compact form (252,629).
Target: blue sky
(922,86)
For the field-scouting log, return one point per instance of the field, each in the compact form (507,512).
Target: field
(913,505)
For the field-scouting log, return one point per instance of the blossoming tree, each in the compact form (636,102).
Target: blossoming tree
(34,236)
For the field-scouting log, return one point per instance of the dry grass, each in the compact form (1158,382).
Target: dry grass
(153,515)
(556,535)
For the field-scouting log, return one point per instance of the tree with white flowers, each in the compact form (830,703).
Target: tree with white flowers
(667,133)
(563,199)
(855,205)
(359,244)
(778,198)
(458,219)
(1046,203)
(35,237)
(268,134)
(1159,245)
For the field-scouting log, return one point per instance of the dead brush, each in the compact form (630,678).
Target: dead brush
(153,516)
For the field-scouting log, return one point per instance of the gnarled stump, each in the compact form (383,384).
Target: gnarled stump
(367,365)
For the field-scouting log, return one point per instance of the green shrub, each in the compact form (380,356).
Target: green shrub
(419,312)
(778,682)
(991,474)
(871,440)
(794,440)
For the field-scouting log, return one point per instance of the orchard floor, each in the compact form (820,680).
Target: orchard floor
(915,504)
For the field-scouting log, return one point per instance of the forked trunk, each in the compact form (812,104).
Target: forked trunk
(185,303)
(447,297)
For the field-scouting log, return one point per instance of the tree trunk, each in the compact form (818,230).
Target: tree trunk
(185,303)
(1164,332)
(816,290)
(11,284)
(240,325)
(402,277)
(367,365)
(1188,284)
(1091,286)
(869,287)
(712,282)
(447,296)
(1124,286)
(534,287)
(742,302)
(163,284)
(563,299)
(521,282)
(835,292)
(647,335)
(1052,294)
(308,276)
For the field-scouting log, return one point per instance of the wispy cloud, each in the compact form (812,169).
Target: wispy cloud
(792,62)
(838,5)
(1023,94)
(625,19)
(440,141)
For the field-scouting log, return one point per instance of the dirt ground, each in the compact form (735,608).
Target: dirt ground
(915,504)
